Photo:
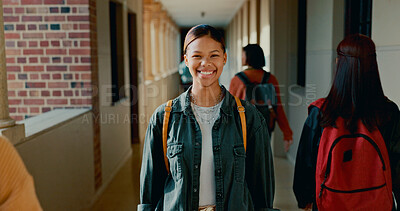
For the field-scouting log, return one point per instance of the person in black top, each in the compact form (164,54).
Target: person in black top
(356,94)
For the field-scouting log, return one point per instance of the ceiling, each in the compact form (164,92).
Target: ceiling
(187,13)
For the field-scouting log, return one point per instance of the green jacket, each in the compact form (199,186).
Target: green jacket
(244,179)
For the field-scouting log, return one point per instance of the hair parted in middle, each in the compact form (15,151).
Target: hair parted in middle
(200,31)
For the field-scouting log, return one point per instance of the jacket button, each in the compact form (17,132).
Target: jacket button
(195,190)
(197,144)
(219,171)
(196,166)
(219,195)
(216,148)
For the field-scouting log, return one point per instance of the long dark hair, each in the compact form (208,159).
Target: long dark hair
(356,92)
(254,56)
(200,31)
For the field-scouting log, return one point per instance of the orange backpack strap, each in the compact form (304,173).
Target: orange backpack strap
(242,120)
(167,112)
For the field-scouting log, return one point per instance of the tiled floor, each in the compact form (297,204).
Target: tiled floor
(123,192)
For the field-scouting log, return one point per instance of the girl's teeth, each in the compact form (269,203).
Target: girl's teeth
(206,73)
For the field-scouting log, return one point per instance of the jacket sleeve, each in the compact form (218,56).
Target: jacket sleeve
(259,166)
(304,174)
(153,172)
(281,116)
(394,155)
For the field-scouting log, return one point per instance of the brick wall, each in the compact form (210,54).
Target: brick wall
(48,55)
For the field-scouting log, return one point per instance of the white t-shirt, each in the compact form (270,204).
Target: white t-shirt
(206,117)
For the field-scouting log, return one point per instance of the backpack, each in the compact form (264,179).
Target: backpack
(259,95)
(167,112)
(353,169)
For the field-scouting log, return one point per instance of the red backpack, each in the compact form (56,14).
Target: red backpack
(353,170)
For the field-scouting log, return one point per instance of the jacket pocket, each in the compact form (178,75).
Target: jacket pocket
(240,163)
(174,155)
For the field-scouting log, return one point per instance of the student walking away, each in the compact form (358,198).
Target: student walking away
(17,190)
(206,150)
(262,89)
(349,151)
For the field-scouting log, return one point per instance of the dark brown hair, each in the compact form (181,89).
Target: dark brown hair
(356,92)
(200,31)
(254,56)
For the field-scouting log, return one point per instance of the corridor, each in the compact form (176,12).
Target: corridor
(122,194)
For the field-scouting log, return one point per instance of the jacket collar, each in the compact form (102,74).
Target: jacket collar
(182,103)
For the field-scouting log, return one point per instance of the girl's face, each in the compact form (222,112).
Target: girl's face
(205,59)
(244,58)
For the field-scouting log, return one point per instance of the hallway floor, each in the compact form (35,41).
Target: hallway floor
(123,191)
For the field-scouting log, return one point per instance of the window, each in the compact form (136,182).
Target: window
(358,17)
(117,52)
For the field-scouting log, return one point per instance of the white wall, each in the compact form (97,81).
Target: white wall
(61,162)
(386,35)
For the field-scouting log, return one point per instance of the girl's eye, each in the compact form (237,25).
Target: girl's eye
(196,56)
(215,55)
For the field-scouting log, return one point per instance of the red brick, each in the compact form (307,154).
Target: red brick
(46,109)
(57,93)
(15,85)
(10,76)
(17,117)
(35,85)
(14,101)
(7,10)
(20,27)
(77,76)
(81,101)
(34,109)
(54,18)
(34,93)
(13,69)
(10,2)
(57,102)
(33,101)
(53,1)
(32,35)
(33,60)
(74,10)
(78,18)
(55,43)
(22,60)
(76,92)
(32,18)
(76,26)
(33,52)
(87,85)
(11,94)
(56,76)
(45,93)
(79,51)
(34,76)
(21,43)
(44,43)
(10,60)
(85,60)
(86,2)
(85,43)
(44,60)
(23,110)
(19,10)
(58,35)
(80,68)
(45,76)
(86,93)
(56,68)
(67,60)
(11,18)
(33,68)
(12,110)
(58,85)
(9,36)
(32,27)
(86,76)
(10,44)
(68,93)
(79,35)
(22,93)
(23,2)
(33,44)
(67,43)
(84,26)
(56,51)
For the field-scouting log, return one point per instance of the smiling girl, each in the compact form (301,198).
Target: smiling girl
(210,166)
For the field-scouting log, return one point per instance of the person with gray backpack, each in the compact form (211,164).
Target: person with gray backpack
(261,88)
